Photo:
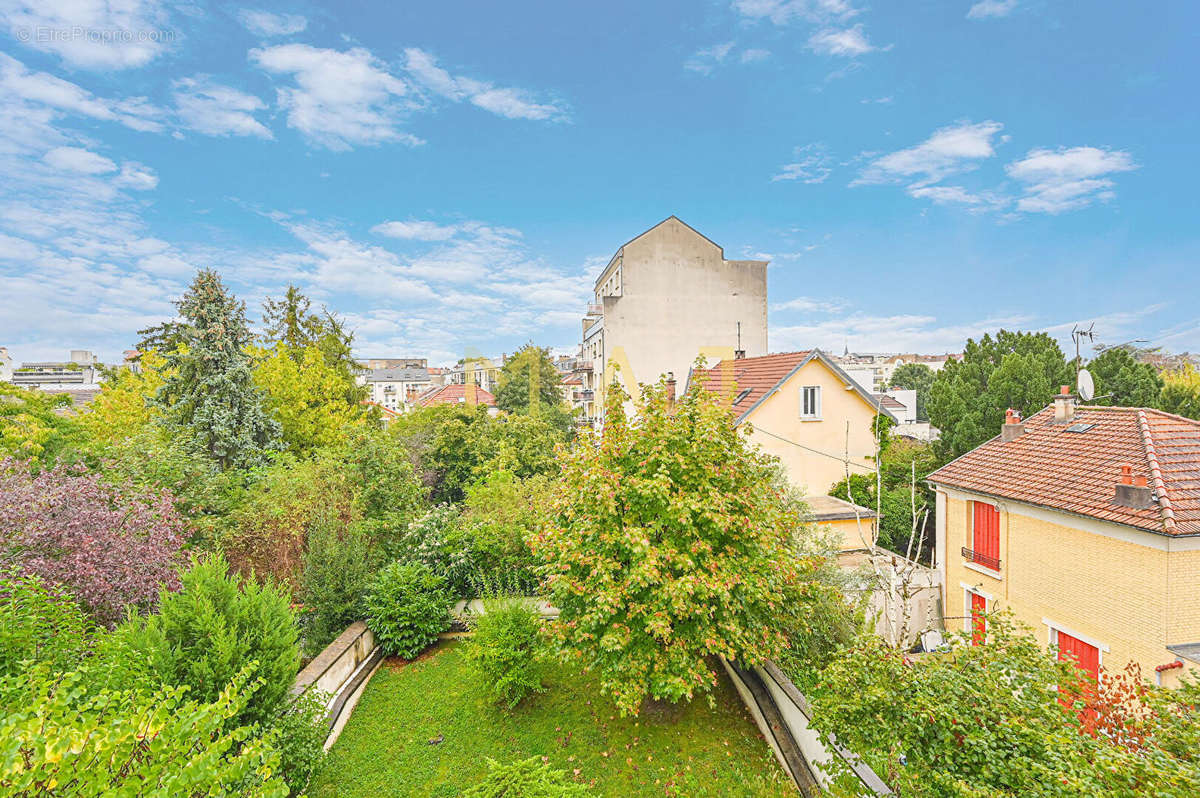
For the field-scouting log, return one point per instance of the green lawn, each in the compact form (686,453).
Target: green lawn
(687,750)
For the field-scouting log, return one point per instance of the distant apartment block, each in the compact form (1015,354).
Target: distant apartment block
(396,388)
(666,297)
(396,362)
(79,376)
(481,371)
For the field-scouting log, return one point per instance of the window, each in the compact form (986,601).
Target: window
(978,619)
(1084,654)
(810,401)
(985,536)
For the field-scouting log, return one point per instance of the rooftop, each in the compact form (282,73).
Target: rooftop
(1075,467)
(831,508)
(455,394)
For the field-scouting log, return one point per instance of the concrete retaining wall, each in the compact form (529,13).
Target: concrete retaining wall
(341,671)
(783,714)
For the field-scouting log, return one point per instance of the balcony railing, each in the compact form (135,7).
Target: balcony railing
(981,559)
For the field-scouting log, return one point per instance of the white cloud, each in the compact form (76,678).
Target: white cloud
(898,333)
(877,101)
(957,195)
(93,34)
(706,60)
(216,110)
(77,159)
(340,99)
(416,230)
(754,54)
(136,176)
(18,82)
(848,42)
(1067,178)
(781,12)
(810,305)
(991,9)
(265,23)
(948,151)
(812,165)
(509,103)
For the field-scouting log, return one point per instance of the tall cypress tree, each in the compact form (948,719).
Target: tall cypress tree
(210,392)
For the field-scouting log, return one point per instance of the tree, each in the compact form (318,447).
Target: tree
(308,397)
(209,390)
(288,321)
(530,384)
(1181,392)
(1121,380)
(59,737)
(667,546)
(125,404)
(968,398)
(1004,717)
(915,377)
(33,427)
(111,549)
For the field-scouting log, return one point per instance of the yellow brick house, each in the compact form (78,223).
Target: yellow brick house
(1085,522)
(810,414)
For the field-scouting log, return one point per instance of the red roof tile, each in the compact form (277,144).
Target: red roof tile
(454,394)
(755,376)
(1078,471)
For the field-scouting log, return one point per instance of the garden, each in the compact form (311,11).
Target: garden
(171,557)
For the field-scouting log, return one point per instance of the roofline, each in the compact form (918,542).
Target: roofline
(621,248)
(1160,532)
(819,355)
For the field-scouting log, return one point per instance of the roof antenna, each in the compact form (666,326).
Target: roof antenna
(1083,379)
(739,353)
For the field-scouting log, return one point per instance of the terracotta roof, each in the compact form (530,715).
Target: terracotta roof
(1077,472)
(572,379)
(757,377)
(453,395)
(890,402)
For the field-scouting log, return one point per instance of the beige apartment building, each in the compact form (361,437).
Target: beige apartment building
(666,297)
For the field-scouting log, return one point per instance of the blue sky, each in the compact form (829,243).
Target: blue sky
(450,176)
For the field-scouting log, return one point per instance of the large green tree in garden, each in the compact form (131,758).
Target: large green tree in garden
(915,377)
(1181,392)
(669,544)
(530,384)
(210,390)
(968,398)
(291,322)
(313,401)
(1121,380)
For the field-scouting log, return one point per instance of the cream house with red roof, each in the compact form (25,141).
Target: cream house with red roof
(458,394)
(1085,522)
(803,409)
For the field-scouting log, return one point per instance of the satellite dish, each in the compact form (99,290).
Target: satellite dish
(1087,388)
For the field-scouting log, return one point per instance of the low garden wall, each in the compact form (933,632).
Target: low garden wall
(783,716)
(341,671)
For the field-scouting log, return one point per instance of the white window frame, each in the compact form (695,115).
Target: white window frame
(1053,628)
(988,598)
(816,415)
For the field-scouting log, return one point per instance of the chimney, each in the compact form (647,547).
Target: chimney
(670,390)
(1064,406)
(1013,426)
(1133,492)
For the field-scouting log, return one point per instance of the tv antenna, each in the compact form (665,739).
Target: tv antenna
(1084,385)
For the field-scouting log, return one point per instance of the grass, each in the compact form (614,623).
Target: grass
(669,750)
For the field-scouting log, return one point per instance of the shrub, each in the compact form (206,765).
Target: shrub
(338,567)
(407,607)
(301,730)
(206,632)
(267,534)
(39,623)
(439,541)
(528,778)
(59,738)
(108,548)
(505,651)
(501,513)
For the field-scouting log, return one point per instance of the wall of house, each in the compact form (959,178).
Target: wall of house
(680,297)
(816,464)
(1115,585)
(850,533)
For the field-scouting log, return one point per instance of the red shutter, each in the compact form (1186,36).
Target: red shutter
(986,533)
(978,622)
(1086,656)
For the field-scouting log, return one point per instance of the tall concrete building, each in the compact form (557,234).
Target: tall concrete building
(666,297)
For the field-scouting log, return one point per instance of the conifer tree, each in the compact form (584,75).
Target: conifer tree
(210,391)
